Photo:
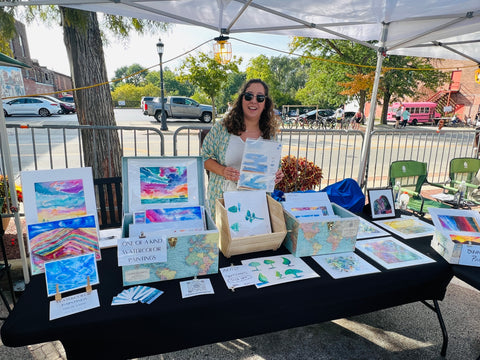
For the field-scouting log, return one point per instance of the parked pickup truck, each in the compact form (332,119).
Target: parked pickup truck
(177,107)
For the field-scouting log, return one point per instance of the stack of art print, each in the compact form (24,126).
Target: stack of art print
(60,239)
(465,222)
(407,227)
(160,182)
(344,265)
(247,213)
(279,269)
(71,273)
(367,230)
(391,253)
(260,162)
(309,206)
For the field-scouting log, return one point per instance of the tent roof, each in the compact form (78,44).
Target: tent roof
(410,22)
(8,61)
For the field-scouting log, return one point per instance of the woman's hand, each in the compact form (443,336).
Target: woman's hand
(278,176)
(230,173)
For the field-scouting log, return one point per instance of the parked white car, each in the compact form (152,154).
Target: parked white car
(29,106)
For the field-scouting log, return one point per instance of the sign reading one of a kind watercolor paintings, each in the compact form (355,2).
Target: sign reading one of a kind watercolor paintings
(61,215)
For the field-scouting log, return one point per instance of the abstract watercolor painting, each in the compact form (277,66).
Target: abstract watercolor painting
(367,230)
(61,239)
(259,164)
(279,269)
(456,220)
(160,182)
(407,227)
(247,213)
(71,273)
(51,195)
(344,265)
(391,253)
(159,185)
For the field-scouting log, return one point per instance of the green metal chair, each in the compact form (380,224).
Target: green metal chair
(412,175)
(465,169)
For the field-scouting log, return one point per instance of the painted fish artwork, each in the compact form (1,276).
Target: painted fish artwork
(279,269)
(59,239)
(160,185)
(62,199)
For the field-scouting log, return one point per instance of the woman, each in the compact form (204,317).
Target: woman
(357,119)
(250,117)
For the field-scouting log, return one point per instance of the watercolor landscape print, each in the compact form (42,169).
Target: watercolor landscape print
(59,239)
(159,185)
(57,200)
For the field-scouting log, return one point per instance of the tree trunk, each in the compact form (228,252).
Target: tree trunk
(386,101)
(101,148)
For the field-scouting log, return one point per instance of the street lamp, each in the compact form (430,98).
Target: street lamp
(164,118)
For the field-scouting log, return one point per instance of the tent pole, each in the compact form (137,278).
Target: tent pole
(371,117)
(13,194)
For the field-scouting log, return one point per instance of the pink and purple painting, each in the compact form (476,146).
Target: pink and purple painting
(160,185)
(57,200)
(55,240)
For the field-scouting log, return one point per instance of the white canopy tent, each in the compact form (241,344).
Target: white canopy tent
(430,28)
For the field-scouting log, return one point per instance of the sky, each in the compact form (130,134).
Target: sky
(47,46)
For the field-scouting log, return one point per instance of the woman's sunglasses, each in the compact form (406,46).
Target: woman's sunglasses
(249,96)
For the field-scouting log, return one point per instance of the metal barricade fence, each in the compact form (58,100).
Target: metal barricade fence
(60,146)
(435,149)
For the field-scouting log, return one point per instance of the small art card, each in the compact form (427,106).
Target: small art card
(260,162)
(392,253)
(311,206)
(367,230)
(456,220)
(143,294)
(407,227)
(279,269)
(196,287)
(247,213)
(71,273)
(50,195)
(344,265)
(381,203)
(154,182)
(60,239)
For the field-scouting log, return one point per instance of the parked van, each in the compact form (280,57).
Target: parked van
(420,112)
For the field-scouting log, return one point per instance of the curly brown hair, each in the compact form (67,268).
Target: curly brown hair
(235,123)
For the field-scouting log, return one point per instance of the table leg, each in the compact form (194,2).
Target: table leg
(436,309)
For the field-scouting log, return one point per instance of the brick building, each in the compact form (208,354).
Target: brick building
(37,79)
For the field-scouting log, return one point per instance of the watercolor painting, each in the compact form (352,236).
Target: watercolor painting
(159,185)
(71,273)
(160,182)
(344,265)
(51,195)
(391,253)
(367,230)
(278,269)
(260,162)
(247,213)
(63,199)
(61,239)
(456,220)
(407,227)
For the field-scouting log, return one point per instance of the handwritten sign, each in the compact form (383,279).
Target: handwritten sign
(74,304)
(196,287)
(238,276)
(142,250)
(470,255)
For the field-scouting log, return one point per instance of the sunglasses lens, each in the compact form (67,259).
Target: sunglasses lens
(248,96)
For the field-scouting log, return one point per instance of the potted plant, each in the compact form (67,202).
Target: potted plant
(4,194)
(299,174)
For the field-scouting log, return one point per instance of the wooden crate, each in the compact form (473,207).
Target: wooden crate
(244,245)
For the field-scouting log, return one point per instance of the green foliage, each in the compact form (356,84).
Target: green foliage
(7,30)
(133,74)
(207,74)
(131,93)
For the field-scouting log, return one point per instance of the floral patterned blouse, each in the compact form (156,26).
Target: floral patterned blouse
(215,147)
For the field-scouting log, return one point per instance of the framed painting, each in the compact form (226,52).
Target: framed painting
(52,195)
(381,203)
(159,182)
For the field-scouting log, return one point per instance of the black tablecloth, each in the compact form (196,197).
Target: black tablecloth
(171,323)
(469,274)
